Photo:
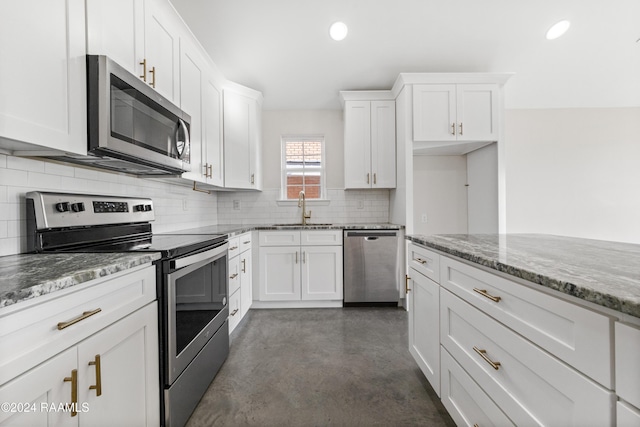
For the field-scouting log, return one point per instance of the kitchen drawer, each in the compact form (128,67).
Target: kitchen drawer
(425,261)
(235,313)
(464,399)
(529,385)
(245,241)
(29,331)
(280,238)
(628,363)
(234,274)
(234,246)
(321,238)
(627,416)
(577,335)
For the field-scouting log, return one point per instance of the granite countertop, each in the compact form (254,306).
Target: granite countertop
(235,229)
(602,272)
(27,276)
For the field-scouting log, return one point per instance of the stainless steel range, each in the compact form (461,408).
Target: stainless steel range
(192,282)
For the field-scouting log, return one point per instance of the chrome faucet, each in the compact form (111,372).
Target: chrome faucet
(302,203)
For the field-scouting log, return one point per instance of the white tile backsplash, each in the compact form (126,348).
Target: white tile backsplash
(20,175)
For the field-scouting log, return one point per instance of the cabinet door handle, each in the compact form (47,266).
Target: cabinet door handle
(368,178)
(485,294)
(233,276)
(144,70)
(421,261)
(406,283)
(153,77)
(296,257)
(233,313)
(74,391)
(375,179)
(460,128)
(84,315)
(483,354)
(206,169)
(98,386)
(304,257)
(453,128)
(244,265)
(210,171)
(253,178)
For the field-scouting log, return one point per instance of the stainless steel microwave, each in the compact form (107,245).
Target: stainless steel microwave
(130,127)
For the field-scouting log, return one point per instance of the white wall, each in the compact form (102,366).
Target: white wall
(343,206)
(574,172)
(176,207)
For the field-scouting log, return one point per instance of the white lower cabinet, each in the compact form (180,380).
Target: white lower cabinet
(110,377)
(424,326)
(240,281)
(290,271)
(627,415)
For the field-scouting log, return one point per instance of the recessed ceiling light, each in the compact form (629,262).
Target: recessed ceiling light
(338,31)
(558,29)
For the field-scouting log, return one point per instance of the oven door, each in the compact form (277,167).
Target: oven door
(196,298)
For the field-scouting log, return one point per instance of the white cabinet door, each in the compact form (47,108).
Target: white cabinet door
(43,74)
(116,28)
(627,362)
(357,144)
(246,292)
(162,48)
(42,386)
(127,372)
(234,310)
(383,144)
(280,273)
(237,144)
(212,139)
(321,272)
(434,112)
(424,326)
(192,75)
(455,112)
(477,112)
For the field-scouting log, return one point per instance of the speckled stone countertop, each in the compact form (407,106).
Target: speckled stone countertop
(604,273)
(235,229)
(27,276)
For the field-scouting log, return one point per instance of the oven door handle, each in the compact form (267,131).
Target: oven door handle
(192,259)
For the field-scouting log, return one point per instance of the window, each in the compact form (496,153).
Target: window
(303,167)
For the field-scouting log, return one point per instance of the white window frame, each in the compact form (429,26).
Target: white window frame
(283,165)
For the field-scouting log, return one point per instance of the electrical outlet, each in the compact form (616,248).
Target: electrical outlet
(360,204)
(236,205)
(424,218)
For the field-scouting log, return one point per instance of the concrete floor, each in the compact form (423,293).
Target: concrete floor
(320,367)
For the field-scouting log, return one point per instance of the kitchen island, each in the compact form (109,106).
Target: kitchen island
(523,329)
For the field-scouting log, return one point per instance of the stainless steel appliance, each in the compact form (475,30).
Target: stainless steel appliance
(130,127)
(371,267)
(192,281)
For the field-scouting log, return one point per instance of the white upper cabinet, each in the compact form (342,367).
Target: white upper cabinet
(242,127)
(162,48)
(455,112)
(43,75)
(369,142)
(116,28)
(213,153)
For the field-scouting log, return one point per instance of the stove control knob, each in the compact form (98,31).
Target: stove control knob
(138,208)
(77,207)
(147,208)
(62,207)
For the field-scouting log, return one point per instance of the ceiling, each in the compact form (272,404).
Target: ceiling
(282,47)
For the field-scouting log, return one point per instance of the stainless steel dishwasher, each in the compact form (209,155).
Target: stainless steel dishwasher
(371,267)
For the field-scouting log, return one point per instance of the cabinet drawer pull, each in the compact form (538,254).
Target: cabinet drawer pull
(406,283)
(233,313)
(421,261)
(485,294)
(483,354)
(84,315)
(233,248)
(74,391)
(246,242)
(233,276)
(98,386)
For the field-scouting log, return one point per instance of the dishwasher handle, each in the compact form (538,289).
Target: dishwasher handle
(369,233)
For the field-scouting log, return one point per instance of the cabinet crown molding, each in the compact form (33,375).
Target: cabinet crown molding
(448,78)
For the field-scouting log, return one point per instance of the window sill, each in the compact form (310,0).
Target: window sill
(309,202)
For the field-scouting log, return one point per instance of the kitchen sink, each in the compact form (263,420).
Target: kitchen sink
(300,225)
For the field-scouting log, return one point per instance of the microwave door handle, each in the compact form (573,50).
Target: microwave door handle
(192,259)
(182,125)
